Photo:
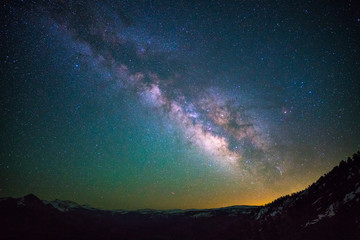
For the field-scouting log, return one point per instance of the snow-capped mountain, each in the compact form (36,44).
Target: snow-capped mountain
(66,206)
(63,206)
(328,209)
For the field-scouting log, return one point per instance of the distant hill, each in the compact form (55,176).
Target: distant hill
(328,209)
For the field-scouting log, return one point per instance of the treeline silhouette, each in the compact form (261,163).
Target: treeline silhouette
(327,209)
(337,173)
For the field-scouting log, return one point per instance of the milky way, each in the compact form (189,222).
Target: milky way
(208,118)
(180,104)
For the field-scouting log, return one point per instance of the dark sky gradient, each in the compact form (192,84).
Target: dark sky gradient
(175,104)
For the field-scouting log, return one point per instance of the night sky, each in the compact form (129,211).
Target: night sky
(175,104)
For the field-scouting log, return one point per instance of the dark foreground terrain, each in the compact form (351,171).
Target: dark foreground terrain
(328,209)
